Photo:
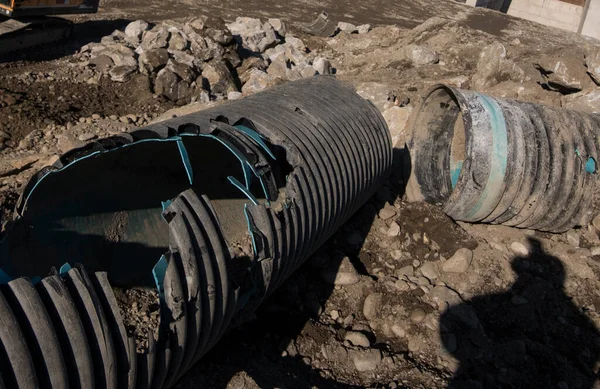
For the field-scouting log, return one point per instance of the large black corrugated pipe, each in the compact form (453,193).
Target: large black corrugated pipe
(506,162)
(172,206)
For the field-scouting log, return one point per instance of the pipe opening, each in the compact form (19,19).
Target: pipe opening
(105,210)
(439,130)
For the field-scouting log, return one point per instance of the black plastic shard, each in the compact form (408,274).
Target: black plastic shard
(273,175)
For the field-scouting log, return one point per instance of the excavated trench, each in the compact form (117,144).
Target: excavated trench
(203,215)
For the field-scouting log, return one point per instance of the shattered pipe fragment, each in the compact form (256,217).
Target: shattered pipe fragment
(171,206)
(504,162)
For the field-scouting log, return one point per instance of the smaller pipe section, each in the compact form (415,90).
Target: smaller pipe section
(507,162)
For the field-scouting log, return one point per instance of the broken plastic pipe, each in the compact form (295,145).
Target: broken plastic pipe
(164,207)
(504,162)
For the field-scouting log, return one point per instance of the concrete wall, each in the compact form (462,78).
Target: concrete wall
(549,12)
(591,25)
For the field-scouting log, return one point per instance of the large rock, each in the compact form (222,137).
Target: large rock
(212,27)
(421,55)
(102,63)
(185,58)
(177,40)
(184,72)
(122,73)
(322,65)
(136,29)
(257,80)
(253,35)
(592,61)
(584,101)
(493,68)
(151,61)
(157,38)
(169,85)
(564,72)
(219,78)
(396,119)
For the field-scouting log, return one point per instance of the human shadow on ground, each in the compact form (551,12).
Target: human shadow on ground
(531,336)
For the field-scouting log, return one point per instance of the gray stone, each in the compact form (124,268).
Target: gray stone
(399,331)
(296,43)
(372,305)
(177,41)
(87,137)
(594,251)
(573,238)
(596,222)
(592,61)
(363,28)
(308,71)
(414,344)
(102,63)
(322,65)
(417,315)
(459,262)
(421,55)
(184,72)
(587,101)
(448,301)
(151,61)
(520,249)
(169,85)
(257,81)
(219,78)
(430,270)
(387,212)
(366,360)
(394,230)
(184,58)
(278,26)
(563,72)
(396,119)
(278,68)
(234,95)
(348,28)
(157,38)
(493,68)
(122,73)
(136,29)
(357,339)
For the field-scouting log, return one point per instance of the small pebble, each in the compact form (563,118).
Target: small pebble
(519,249)
(357,339)
(417,315)
(459,262)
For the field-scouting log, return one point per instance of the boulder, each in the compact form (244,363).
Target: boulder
(396,119)
(169,85)
(184,72)
(257,80)
(278,68)
(278,26)
(592,61)
(177,41)
(102,63)
(493,68)
(212,27)
(588,101)
(157,38)
(219,78)
(421,55)
(348,28)
(136,29)
(322,65)
(563,72)
(151,61)
(185,58)
(122,73)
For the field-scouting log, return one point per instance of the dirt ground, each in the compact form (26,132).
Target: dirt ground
(523,313)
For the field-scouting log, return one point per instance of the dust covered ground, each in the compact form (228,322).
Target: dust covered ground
(401,296)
